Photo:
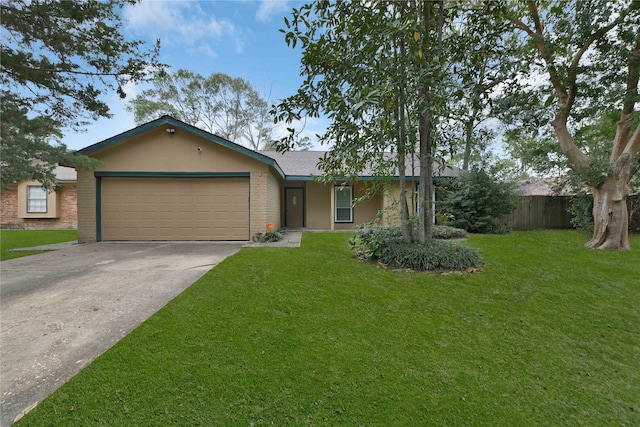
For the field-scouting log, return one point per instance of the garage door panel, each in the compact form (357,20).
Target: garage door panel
(185,199)
(175,209)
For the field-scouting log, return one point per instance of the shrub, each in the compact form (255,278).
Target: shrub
(431,256)
(581,210)
(271,236)
(374,243)
(477,200)
(370,239)
(444,232)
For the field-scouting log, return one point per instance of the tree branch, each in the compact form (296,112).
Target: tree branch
(596,35)
(518,23)
(631,94)
(633,146)
(545,53)
(533,8)
(573,87)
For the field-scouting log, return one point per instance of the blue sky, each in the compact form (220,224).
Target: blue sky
(236,37)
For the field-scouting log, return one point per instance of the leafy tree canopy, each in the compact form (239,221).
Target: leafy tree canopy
(220,104)
(57,59)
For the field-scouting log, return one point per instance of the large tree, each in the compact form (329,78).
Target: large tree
(376,70)
(477,69)
(26,146)
(587,53)
(220,104)
(57,59)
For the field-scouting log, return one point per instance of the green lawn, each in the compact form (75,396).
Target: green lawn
(12,239)
(547,334)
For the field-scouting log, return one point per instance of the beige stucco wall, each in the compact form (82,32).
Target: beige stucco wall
(320,213)
(364,211)
(159,151)
(318,199)
(367,210)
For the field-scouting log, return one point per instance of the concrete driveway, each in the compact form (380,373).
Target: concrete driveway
(62,309)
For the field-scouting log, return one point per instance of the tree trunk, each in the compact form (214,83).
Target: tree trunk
(610,215)
(425,189)
(405,224)
(426,120)
(401,134)
(467,143)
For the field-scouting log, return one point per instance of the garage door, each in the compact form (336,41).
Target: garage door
(175,209)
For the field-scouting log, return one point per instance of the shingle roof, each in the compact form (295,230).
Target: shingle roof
(543,187)
(297,163)
(305,163)
(65,174)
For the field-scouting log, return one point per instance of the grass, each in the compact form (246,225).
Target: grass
(13,239)
(547,334)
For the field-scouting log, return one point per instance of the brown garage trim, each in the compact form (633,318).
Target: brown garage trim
(140,174)
(171,174)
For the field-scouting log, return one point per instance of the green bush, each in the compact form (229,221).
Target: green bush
(370,239)
(581,210)
(271,236)
(477,200)
(444,232)
(374,243)
(435,255)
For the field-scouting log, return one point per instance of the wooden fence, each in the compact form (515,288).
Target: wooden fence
(540,212)
(552,212)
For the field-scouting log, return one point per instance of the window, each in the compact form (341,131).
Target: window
(36,199)
(344,202)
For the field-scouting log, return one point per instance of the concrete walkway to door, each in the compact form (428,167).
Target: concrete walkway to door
(62,309)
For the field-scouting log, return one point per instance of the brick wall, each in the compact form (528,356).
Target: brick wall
(9,208)
(68,215)
(258,192)
(86,206)
(273,201)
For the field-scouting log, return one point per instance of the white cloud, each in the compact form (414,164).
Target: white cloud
(239,45)
(268,8)
(130,89)
(207,50)
(180,23)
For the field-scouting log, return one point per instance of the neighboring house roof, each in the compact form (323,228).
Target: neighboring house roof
(292,165)
(541,188)
(65,174)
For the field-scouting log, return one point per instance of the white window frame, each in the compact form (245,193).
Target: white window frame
(337,189)
(36,199)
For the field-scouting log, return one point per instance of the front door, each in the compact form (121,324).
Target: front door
(294,207)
